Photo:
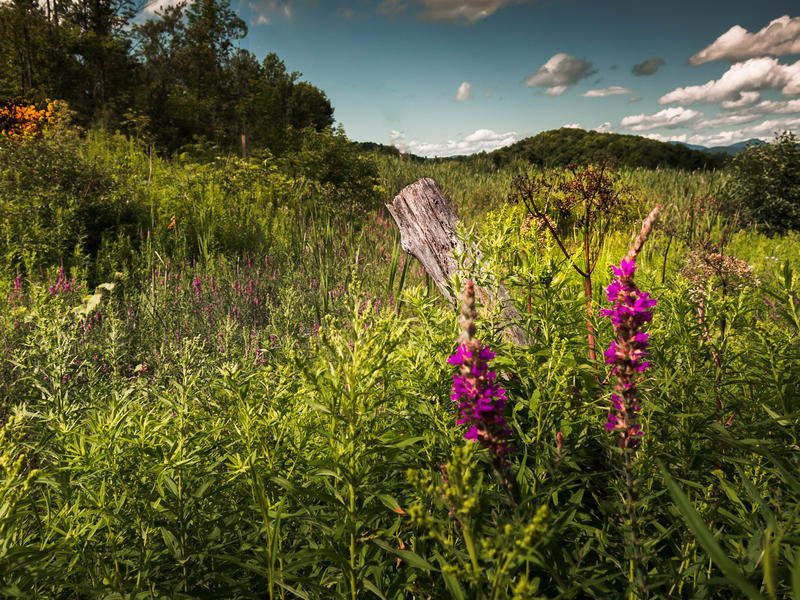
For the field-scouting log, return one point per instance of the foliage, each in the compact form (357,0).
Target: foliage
(251,398)
(174,79)
(765,182)
(59,205)
(561,147)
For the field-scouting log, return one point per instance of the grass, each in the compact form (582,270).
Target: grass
(257,403)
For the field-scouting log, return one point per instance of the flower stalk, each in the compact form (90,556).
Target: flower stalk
(631,310)
(481,400)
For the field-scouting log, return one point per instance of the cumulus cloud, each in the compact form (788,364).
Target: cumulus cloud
(603,127)
(648,67)
(745,99)
(669,118)
(609,91)
(765,131)
(464,92)
(572,126)
(560,72)
(751,113)
(780,37)
(738,81)
(479,141)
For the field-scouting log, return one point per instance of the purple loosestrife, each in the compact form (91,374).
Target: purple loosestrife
(480,399)
(631,309)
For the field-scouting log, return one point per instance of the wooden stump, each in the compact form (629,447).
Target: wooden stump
(428,223)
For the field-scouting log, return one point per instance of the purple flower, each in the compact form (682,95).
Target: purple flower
(481,401)
(629,312)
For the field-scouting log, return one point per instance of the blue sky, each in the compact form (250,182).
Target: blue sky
(443,77)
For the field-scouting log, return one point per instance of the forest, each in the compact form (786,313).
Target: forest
(222,376)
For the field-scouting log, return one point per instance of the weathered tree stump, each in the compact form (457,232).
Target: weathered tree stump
(428,223)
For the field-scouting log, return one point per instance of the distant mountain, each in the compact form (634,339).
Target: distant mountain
(560,147)
(730,150)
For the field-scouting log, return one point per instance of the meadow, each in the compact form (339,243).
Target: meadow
(223,378)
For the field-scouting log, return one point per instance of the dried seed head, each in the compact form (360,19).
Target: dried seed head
(647,227)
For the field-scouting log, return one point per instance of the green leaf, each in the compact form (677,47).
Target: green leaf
(706,538)
(412,558)
(374,589)
(391,503)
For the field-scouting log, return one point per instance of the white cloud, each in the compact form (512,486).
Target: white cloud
(634,99)
(464,92)
(745,99)
(560,72)
(669,117)
(751,113)
(156,6)
(738,81)
(764,131)
(603,127)
(609,91)
(572,126)
(778,107)
(467,11)
(478,141)
(780,37)
(727,120)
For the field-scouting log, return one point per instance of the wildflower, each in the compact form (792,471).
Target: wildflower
(631,310)
(480,399)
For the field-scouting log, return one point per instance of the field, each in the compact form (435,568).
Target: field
(223,378)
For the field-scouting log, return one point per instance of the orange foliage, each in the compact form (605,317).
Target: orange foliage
(23,122)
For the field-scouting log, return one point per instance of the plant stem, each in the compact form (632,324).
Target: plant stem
(635,576)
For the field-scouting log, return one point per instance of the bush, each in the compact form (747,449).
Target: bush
(59,205)
(765,180)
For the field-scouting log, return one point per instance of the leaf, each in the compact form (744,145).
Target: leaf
(374,589)
(172,543)
(391,503)
(706,538)
(412,558)
(796,576)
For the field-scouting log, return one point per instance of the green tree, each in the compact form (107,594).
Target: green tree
(765,181)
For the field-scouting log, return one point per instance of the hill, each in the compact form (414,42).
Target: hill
(730,150)
(560,147)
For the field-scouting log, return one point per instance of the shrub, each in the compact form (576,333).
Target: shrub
(59,205)
(766,181)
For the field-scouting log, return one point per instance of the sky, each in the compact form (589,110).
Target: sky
(446,77)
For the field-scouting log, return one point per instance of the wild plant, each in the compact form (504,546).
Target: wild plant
(631,310)
(591,191)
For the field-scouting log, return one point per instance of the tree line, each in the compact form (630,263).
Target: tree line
(175,79)
(561,147)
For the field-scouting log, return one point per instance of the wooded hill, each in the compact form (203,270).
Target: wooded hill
(560,147)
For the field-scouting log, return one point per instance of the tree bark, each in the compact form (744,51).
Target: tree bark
(428,224)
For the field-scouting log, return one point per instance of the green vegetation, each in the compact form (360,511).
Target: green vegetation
(561,147)
(765,181)
(222,378)
(175,80)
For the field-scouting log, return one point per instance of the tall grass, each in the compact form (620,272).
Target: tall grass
(256,401)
